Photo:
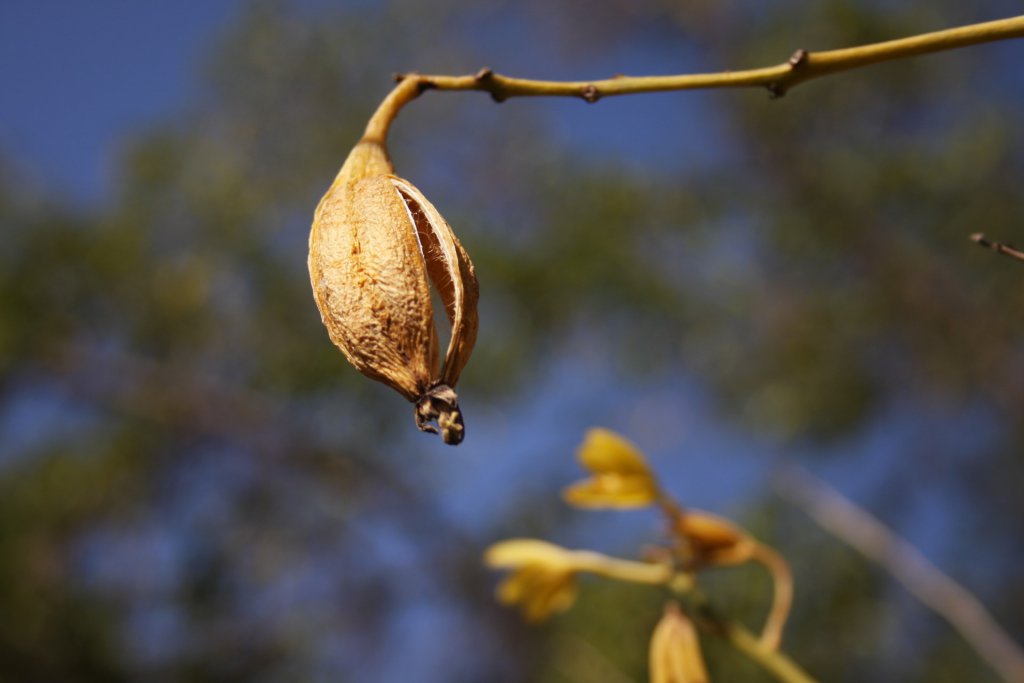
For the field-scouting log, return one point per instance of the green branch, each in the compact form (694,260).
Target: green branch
(802,66)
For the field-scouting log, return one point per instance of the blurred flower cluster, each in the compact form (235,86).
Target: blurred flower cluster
(542,578)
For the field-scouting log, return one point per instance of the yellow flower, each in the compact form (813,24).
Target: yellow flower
(620,476)
(543,581)
(675,655)
(543,578)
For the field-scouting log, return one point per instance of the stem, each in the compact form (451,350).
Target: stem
(674,512)
(802,66)
(623,570)
(782,595)
(377,128)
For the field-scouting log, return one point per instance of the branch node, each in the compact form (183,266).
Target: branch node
(798,58)
(484,78)
(998,247)
(590,93)
(422,84)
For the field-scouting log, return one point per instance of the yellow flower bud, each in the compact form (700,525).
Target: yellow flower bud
(675,655)
(621,478)
(714,541)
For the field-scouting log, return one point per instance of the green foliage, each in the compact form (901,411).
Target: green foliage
(605,637)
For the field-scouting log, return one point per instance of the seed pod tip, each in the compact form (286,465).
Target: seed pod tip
(441,404)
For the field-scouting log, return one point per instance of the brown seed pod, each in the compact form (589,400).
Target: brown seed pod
(375,247)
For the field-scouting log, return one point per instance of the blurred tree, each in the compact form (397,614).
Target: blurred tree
(194,486)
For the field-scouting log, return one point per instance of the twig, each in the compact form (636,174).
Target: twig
(802,66)
(998,247)
(782,595)
(920,577)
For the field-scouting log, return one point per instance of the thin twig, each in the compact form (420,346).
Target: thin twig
(921,578)
(782,595)
(802,66)
(998,247)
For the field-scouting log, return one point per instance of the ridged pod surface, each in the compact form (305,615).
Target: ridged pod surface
(376,246)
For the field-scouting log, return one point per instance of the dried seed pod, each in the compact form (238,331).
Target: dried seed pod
(375,247)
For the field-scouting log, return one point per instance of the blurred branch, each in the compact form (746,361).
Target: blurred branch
(802,66)
(997,247)
(782,598)
(921,578)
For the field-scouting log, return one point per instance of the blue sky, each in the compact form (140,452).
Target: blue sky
(76,76)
